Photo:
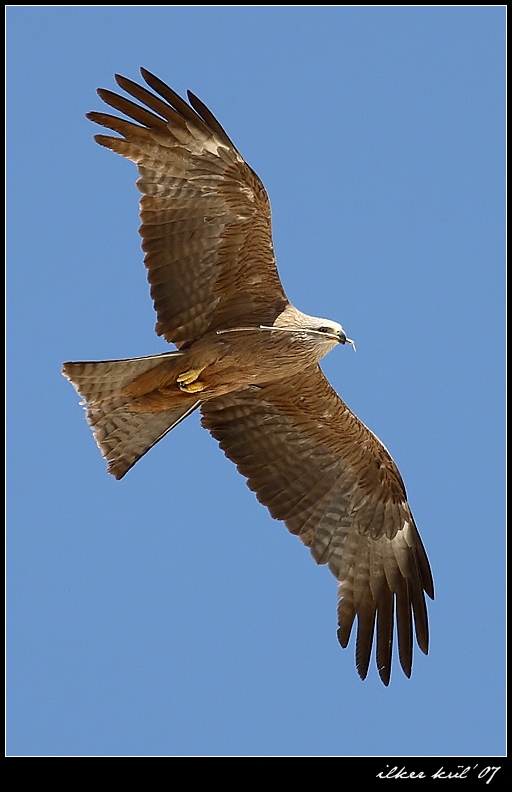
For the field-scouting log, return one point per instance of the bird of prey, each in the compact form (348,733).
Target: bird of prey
(248,360)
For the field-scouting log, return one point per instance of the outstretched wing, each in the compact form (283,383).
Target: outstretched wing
(206,228)
(324,473)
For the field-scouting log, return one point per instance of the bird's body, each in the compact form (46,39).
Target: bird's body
(229,359)
(248,359)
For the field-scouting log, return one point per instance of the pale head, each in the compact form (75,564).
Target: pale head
(323,332)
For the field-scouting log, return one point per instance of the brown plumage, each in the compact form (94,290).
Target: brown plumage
(248,360)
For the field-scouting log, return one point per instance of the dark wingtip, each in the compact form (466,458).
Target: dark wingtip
(385,675)
(343,637)
(362,669)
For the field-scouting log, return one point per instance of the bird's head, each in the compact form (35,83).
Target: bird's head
(332,331)
(323,334)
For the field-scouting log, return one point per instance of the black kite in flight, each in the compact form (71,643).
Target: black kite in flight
(248,360)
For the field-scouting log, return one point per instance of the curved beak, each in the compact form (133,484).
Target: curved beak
(344,340)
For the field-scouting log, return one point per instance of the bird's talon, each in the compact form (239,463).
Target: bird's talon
(192,387)
(186,377)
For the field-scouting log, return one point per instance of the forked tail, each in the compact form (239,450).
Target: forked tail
(123,428)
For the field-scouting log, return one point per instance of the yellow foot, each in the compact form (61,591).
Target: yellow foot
(189,376)
(188,381)
(192,387)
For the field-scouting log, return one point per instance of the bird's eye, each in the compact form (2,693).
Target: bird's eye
(325,330)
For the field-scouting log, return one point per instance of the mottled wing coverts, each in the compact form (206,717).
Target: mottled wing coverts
(206,229)
(206,234)
(324,473)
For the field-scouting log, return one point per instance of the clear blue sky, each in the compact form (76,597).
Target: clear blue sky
(168,614)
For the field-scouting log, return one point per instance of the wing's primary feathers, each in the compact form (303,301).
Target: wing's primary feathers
(206,228)
(324,473)
(206,234)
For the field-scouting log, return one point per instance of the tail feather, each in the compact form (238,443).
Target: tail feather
(103,379)
(124,434)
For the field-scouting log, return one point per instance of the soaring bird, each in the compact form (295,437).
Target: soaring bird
(249,361)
